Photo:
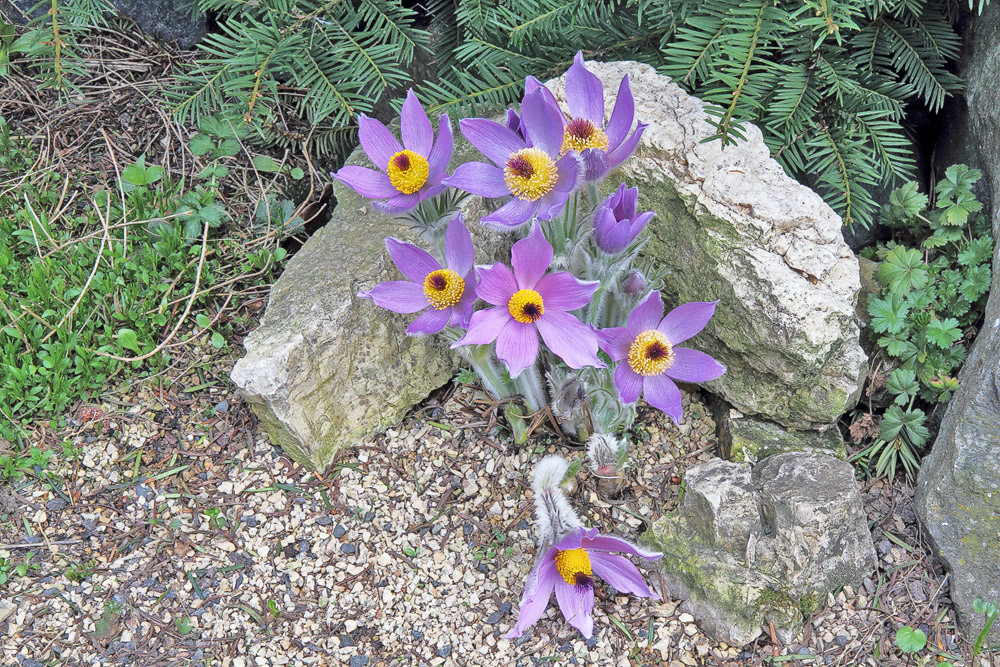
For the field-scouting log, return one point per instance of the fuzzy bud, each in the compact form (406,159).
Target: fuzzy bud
(555,515)
(635,283)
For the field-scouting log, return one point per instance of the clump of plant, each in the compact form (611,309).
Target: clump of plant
(933,279)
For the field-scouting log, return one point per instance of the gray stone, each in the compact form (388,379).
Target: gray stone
(958,489)
(749,439)
(752,546)
(731,225)
(169,20)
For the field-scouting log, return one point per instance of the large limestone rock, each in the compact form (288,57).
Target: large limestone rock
(747,439)
(752,546)
(731,225)
(958,490)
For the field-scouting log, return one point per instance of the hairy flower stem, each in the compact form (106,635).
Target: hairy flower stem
(529,384)
(483,362)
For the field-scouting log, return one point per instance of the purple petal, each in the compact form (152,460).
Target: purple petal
(461,312)
(399,203)
(620,573)
(458,251)
(661,392)
(629,383)
(492,139)
(543,122)
(686,320)
(440,155)
(513,121)
(536,598)
(574,538)
(620,154)
(379,143)
(576,603)
(415,126)
(366,182)
(594,164)
(399,296)
(414,262)
(615,341)
(530,258)
(496,284)
(646,315)
(517,346)
(430,321)
(531,84)
(622,115)
(612,543)
(551,205)
(569,171)
(694,366)
(480,179)
(512,214)
(584,92)
(569,339)
(562,291)
(484,327)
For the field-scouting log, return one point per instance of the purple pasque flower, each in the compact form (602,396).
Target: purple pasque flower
(529,169)
(569,567)
(615,222)
(649,356)
(602,147)
(445,294)
(411,172)
(530,302)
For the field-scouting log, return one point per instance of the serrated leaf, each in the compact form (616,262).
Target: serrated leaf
(943,333)
(888,314)
(903,382)
(903,270)
(201,144)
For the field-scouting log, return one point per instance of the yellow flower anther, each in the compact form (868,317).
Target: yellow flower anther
(408,171)
(572,563)
(443,288)
(650,353)
(530,174)
(526,306)
(581,134)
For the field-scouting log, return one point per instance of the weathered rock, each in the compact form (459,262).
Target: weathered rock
(752,546)
(170,20)
(731,225)
(325,368)
(958,490)
(743,438)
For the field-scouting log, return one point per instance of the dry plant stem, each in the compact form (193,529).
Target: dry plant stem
(187,309)
(121,193)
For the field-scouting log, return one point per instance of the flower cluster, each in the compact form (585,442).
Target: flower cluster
(572,325)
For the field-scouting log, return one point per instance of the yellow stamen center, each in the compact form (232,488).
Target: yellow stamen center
(651,353)
(530,173)
(443,288)
(526,306)
(573,563)
(408,171)
(581,134)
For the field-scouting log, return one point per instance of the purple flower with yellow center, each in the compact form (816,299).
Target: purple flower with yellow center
(410,172)
(568,568)
(530,170)
(445,294)
(649,356)
(602,147)
(615,222)
(530,302)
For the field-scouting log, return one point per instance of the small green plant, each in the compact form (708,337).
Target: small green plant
(989,610)
(412,552)
(493,549)
(79,572)
(183,625)
(910,640)
(933,279)
(8,566)
(216,518)
(272,608)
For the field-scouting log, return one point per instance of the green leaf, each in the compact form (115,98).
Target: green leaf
(128,339)
(943,333)
(888,314)
(201,144)
(183,625)
(296,173)
(203,320)
(218,341)
(910,640)
(265,164)
(903,382)
(903,270)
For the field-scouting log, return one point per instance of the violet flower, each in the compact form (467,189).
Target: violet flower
(649,356)
(615,223)
(411,172)
(569,567)
(529,303)
(602,148)
(532,171)
(445,294)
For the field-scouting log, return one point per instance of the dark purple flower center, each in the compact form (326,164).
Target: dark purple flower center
(402,161)
(531,311)
(583,579)
(657,350)
(437,281)
(580,128)
(520,166)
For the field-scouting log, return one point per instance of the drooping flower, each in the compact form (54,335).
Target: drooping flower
(445,294)
(573,556)
(411,172)
(615,221)
(530,302)
(649,357)
(539,180)
(602,147)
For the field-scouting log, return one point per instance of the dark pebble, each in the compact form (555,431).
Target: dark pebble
(324,520)
(338,531)
(30,662)
(387,527)
(348,548)
(369,517)
(467,529)
(495,617)
(50,592)
(315,649)
(222,407)
(444,651)
(482,567)
(841,640)
(31,539)
(55,504)
(347,642)
(359,660)
(592,642)
(417,634)
(304,546)
(523,639)
(565,648)
(523,525)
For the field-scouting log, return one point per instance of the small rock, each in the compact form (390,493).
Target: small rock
(444,651)
(495,617)
(339,531)
(359,660)
(324,520)
(347,642)
(417,634)
(55,504)
(222,407)
(348,548)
